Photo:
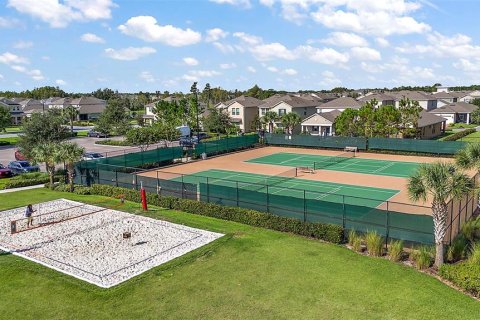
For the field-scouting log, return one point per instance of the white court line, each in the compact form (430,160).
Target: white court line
(285,188)
(328,193)
(384,167)
(293,159)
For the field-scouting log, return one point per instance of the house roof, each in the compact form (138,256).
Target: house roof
(377,96)
(341,103)
(456,107)
(319,118)
(90,100)
(459,94)
(292,100)
(412,95)
(443,95)
(427,119)
(8,101)
(247,102)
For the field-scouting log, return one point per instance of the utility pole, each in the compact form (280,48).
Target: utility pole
(194,90)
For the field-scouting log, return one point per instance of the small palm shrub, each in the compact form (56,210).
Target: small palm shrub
(456,251)
(395,250)
(474,257)
(374,243)
(422,257)
(352,235)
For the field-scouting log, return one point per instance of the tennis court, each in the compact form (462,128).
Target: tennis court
(343,162)
(286,184)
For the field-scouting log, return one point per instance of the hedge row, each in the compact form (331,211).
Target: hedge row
(465,275)
(27,182)
(327,232)
(459,135)
(109,142)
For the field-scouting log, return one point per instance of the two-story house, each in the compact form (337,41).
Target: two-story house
(15,109)
(242,111)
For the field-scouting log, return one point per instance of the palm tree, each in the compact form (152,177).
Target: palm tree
(469,157)
(70,113)
(439,182)
(49,153)
(290,121)
(269,118)
(70,153)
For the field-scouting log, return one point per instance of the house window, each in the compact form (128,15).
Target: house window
(235,111)
(263,111)
(315,129)
(281,112)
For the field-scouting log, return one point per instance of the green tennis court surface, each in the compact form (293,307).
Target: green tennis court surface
(354,207)
(357,165)
(298,188)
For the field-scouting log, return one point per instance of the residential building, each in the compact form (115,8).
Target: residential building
(430,125)
(383,99)
(339,104)
(16,113)
(458,112)
(321,124)
(426,101)
(149,116)
(89,108)
(242,111)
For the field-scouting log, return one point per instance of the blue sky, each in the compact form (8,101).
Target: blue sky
(149,45)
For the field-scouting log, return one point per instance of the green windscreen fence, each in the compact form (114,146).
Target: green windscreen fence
(421,146)
(406,145)
(316,141)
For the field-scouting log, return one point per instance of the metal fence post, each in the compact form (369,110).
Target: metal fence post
(387,230)
(116,178)
(304,206)
(268,199)
(136,182)
(237,194)
(344,214)
(208,191)
(183,189)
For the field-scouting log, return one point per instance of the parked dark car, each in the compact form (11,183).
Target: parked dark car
(96,134)
(19,167)
(92,156)
(5,172)
(201,135)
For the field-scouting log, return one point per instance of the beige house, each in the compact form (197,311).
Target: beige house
(430,125)
(458,112)
(321,124)
(242,111)
(15,109)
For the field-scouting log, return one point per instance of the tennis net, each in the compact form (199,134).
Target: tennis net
(330,161)
(53,217)
(269,181)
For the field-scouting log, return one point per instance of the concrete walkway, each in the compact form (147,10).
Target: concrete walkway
(23,188)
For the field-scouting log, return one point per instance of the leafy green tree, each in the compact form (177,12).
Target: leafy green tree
(70,113)
(105,94)
(169,112)
(206,94)
(143,137)
(475,116)
(167,131)
(42,128)
(346,124)
(49,153)
(114,119)
(195,111)
(5,118)
(387,121)
(290,121)
(256,122)
(217,121)
(476,102)
(440,182)
(269,119)
(70,153)
(409,117)
(469,158)
(366,118)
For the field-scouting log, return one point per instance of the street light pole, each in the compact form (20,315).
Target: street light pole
(197,111)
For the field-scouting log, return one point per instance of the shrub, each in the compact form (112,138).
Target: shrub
(327,232)
(395,250)
(459,135)
(456,251)
(474,257)
(81,190)
(357,244)
(374,243)
(469,230)
(465,275)
(422,257)
(26,182)
(352,235)
(110,142)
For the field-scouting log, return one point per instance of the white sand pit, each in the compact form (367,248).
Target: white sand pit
(104,248)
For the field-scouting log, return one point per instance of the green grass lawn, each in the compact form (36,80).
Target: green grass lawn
(473,137)
(4,181)
(251,273)
(461,126)
(14,129)
(11,140)
(82,133)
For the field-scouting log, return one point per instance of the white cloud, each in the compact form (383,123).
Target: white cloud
(6,22)
(215,34)
(1,77)
(93,38)
(59,14)
(238,3)
(23,44)
(468,65)
(225,48)
(61,82)
(325,56)
(365,53)
(45,58)
(147,76)
(10,58)
(290,72)
(227,66)
(196,75)
(129,54)
(248,38)
(35,74)
(373,17)
(344,39)
(251,69)
(189,61)
(147,29)
(382,42)
(271,51)
(329,79)
(272,69)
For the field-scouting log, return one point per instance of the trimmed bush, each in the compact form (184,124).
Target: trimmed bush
(456,251)
(26,182)
(395,250)
(327,232)
(109,142)
(374,243)
(474,257)
(459,135)
(465,275)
